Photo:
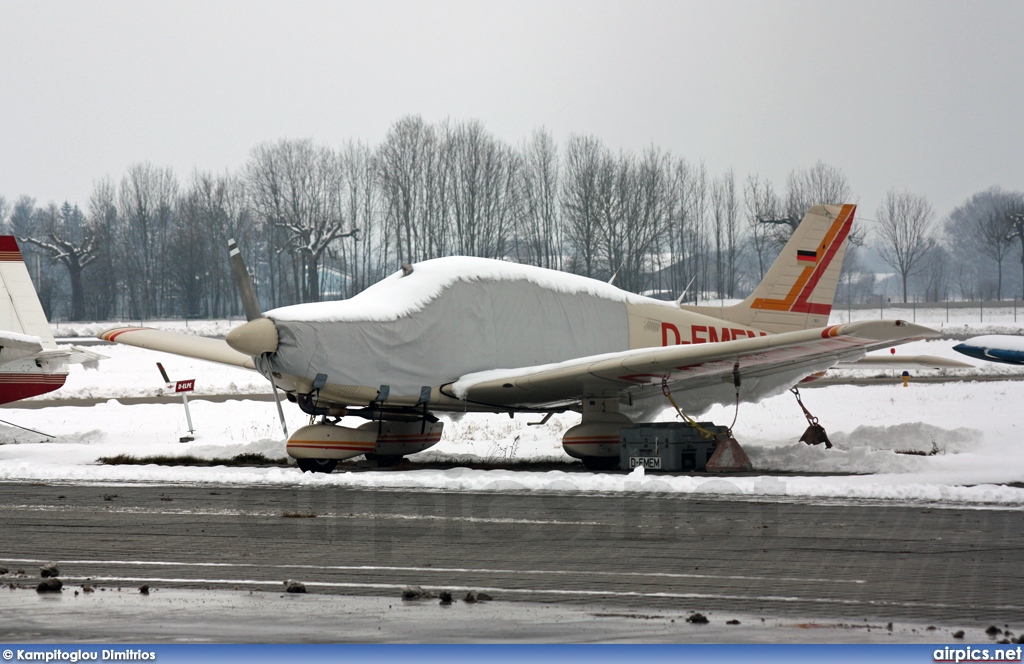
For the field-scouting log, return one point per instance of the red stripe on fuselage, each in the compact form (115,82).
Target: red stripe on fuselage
(15,387)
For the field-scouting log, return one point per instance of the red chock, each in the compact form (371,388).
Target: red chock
(729,457)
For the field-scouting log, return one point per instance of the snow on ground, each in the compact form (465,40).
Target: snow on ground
(972,431)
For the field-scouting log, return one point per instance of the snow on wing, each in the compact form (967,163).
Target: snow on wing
(640,372)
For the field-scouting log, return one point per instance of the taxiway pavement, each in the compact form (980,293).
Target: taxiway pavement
(671,555)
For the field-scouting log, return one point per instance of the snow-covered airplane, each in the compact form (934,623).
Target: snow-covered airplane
(464,334)
(31,362)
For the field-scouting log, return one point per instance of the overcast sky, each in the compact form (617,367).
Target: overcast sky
(925,96)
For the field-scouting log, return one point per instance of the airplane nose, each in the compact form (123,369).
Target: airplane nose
(254,338)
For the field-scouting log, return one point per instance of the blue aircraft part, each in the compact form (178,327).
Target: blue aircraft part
(1002,355)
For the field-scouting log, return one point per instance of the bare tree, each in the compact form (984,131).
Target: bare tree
(1013,209)
(404,160)
(980,226)
(361,207)
(906,226)
(106,270)
(484,192)
(538,236)
(725,232)
(295,187)
(71,242)
(28,221)
(146,206)
(819,185)
(678,235)
(580,209)
(632,212)
(760,203)
(935,274)
(699,243)
(210,211)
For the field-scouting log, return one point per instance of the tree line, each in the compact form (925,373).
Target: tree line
(316,222)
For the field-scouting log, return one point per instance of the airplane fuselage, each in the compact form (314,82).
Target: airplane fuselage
(520,317)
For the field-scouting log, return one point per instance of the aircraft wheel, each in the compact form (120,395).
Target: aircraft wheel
(385,460)
(600,463)
(317,465)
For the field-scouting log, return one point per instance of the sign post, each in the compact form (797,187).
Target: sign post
(182,387)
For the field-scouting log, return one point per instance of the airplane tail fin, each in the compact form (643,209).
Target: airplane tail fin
(20,310)
(797,291)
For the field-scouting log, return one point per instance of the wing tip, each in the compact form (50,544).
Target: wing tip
(113,333)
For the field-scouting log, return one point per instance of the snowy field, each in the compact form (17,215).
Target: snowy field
(970,431)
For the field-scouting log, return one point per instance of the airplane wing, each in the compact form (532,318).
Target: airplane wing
(904,362)
(641,372)
(189,345)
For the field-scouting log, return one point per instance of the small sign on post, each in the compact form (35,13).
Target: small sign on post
(182,387)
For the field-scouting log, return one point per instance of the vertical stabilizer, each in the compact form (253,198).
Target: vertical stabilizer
(797,291)
(20,310)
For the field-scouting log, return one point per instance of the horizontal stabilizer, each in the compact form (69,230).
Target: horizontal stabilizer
(176,343)
(73,355)
(17,341)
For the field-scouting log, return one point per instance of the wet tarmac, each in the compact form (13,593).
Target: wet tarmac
(560,567)
(173,615)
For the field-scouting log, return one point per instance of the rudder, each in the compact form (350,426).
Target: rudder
(798,290)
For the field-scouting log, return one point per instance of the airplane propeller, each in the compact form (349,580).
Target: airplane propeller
(257,337)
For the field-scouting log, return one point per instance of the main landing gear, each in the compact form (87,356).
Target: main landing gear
(317,465)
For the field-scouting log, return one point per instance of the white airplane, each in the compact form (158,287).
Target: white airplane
(465,334)
(31,362)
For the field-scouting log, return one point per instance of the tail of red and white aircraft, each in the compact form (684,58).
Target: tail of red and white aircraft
(20,310)
(798,290)
(31,363)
